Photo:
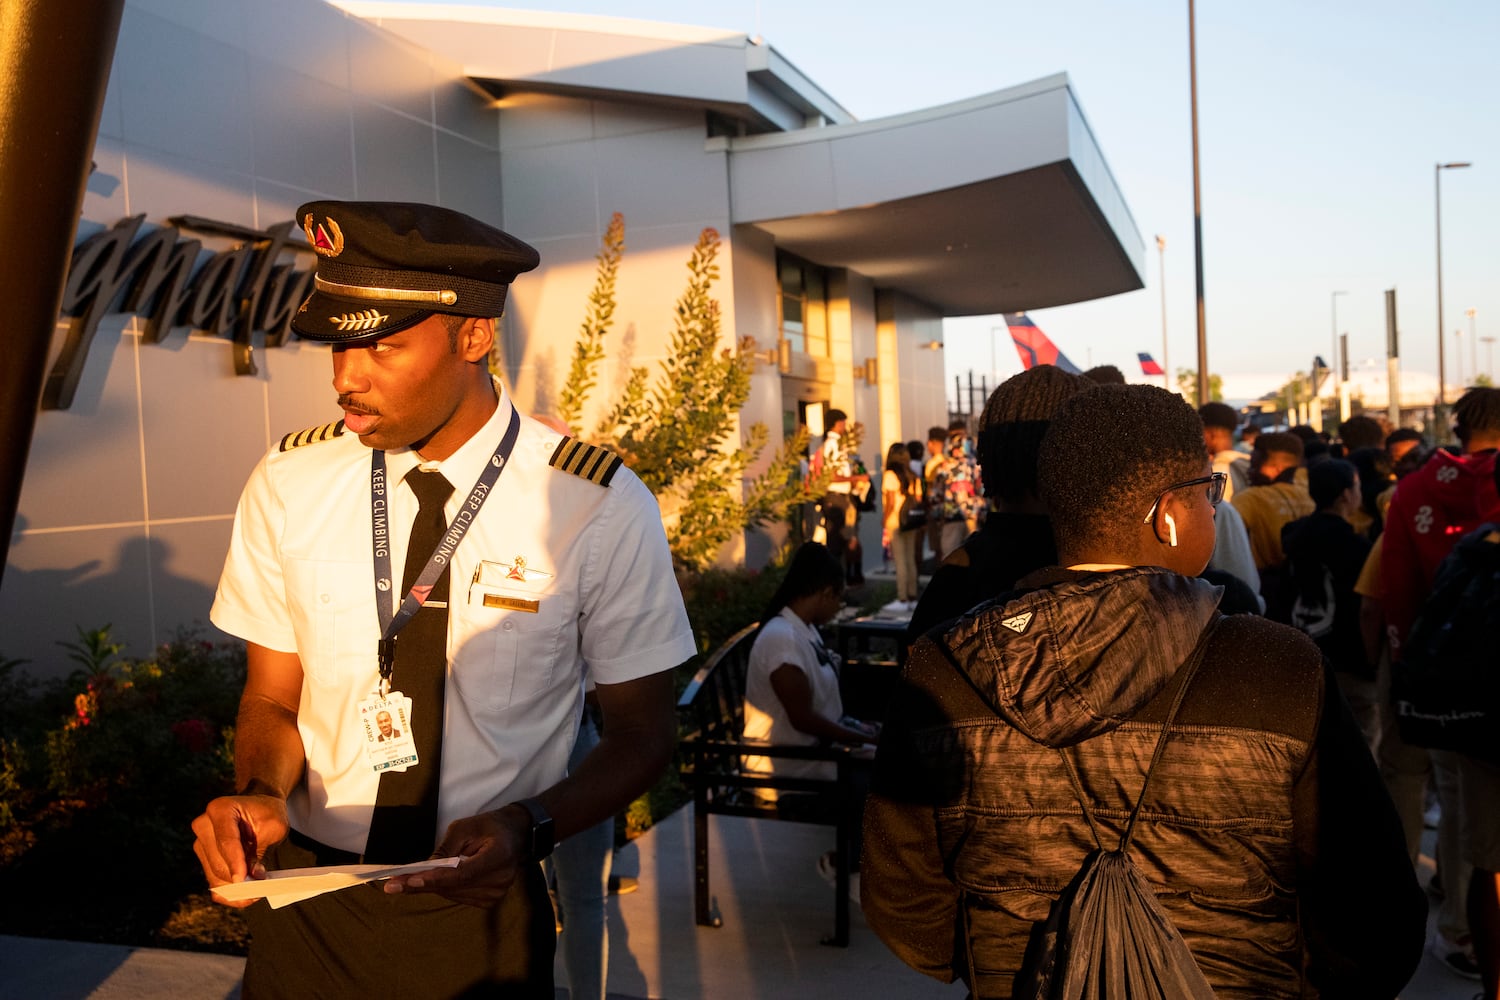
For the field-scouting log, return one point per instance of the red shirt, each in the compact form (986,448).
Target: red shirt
(1432,509)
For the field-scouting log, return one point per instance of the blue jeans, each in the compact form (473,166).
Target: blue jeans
(580,866)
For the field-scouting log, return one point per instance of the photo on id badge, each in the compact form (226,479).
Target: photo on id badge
(386,723)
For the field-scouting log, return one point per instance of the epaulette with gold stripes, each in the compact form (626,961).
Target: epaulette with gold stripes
(327,432)
(589,461)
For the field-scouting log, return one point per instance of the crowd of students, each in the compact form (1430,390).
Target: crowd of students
(1320,558)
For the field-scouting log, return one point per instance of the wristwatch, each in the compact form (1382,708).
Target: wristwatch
(541,839)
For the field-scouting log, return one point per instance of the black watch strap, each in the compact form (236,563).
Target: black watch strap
(542,838)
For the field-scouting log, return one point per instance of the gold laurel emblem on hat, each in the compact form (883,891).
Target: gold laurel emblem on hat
(366,319)
(326,242)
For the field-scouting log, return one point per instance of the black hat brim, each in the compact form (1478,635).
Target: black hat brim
(332,320)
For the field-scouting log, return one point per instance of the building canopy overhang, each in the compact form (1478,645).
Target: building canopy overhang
(1000,203)
(510,52)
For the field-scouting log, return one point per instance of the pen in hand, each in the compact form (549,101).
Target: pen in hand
(253,866)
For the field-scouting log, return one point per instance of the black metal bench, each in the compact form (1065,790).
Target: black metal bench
(713,707)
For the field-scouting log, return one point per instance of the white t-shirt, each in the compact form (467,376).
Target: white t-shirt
(594,560)
(837,459)
(1237,467)
(787,639)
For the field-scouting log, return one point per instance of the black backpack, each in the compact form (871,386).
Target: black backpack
(1446,686)
(1106,937)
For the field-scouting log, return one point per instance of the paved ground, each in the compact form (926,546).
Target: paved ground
(775,910)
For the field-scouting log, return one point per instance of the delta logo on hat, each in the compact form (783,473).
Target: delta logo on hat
(326,242)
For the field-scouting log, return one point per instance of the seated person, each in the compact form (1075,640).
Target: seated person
(792,685)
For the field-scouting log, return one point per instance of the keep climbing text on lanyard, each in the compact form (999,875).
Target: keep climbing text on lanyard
(392,621)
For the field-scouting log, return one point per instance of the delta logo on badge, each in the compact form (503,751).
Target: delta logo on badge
(520,571)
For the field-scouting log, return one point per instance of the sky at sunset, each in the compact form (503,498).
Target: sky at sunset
(1320,124)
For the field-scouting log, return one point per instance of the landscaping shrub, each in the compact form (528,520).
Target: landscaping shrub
(101,774)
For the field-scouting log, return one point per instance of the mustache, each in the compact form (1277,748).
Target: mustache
(347,402)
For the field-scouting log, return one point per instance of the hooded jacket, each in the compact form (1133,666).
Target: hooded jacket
(1267,834)
(1326,556)
(1448,497)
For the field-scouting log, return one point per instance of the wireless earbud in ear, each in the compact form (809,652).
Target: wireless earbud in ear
(1171,529)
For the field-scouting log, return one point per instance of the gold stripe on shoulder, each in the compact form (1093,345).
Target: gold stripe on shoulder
(311,435)
(587,461)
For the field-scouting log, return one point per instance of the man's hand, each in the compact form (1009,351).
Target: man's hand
(492,846)
(233,834)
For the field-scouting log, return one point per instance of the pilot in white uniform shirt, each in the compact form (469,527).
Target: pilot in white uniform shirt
(556,570)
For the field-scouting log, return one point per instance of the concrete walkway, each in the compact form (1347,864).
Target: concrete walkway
(774,906)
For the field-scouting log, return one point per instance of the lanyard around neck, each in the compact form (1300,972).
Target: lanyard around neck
(393,619)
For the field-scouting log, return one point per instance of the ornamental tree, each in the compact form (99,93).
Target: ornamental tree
(679,430)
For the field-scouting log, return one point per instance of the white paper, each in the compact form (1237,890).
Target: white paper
(296,884)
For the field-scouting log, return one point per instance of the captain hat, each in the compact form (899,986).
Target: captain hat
(386,265)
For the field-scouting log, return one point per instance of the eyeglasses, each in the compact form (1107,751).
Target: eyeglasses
(1214,481)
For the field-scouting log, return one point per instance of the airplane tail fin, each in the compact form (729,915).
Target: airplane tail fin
(1034,346)
(1148,364)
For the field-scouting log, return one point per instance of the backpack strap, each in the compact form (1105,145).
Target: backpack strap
(1185,674)
(1188,670)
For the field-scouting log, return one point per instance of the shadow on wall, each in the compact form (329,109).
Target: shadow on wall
(135,593)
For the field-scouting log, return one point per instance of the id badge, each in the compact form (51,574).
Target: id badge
(386,724)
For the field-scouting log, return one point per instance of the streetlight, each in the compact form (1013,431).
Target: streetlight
(1198,212)
(1471,312)
(1437,194)
(1161,253)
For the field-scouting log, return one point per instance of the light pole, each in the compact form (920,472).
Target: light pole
(1198,212)
(1161,254)
(1437,201)
(1336,376)
(1458,351)
(1471,312)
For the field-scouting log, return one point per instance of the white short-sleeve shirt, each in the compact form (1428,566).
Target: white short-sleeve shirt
(300,578)
(787,639)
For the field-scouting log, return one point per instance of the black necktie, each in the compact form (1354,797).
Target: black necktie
(404,826)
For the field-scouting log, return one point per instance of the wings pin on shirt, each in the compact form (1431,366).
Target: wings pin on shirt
(493,577)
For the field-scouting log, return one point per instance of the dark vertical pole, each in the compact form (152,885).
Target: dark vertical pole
(1437,204)
(54,66)
(1203,394)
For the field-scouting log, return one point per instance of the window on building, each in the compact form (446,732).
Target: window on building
(804,305)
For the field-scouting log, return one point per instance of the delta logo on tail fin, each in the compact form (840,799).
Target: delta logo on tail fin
(1148,364)
(1034,346)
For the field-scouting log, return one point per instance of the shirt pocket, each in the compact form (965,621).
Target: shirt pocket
(336,630)
(507,645)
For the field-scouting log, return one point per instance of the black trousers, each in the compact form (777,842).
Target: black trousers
(361,942)
(843,538)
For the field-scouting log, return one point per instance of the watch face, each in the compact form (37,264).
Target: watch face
(542,837)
